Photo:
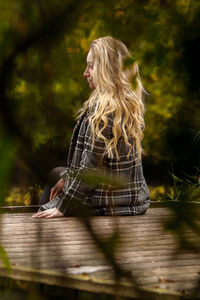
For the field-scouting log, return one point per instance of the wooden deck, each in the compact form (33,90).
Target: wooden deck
(61,252)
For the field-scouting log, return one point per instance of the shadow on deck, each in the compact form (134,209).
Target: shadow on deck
(60,252)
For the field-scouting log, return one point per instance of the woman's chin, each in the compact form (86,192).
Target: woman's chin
(91,86)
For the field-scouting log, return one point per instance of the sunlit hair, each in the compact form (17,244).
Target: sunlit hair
(114,94)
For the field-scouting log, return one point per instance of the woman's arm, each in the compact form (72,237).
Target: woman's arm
(57,188)
(72,199)
(90,160)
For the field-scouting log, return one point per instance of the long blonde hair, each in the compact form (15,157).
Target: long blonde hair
(114,94)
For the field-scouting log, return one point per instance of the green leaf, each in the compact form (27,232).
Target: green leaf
(96,177)
(110,244)
(5,259)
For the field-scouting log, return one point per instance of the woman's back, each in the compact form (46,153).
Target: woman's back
(107,139)
(121,189)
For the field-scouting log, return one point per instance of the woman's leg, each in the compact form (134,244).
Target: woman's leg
(53,177)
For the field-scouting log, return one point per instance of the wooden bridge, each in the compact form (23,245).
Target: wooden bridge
(60,252)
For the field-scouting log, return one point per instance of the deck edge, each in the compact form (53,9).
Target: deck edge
(86,283)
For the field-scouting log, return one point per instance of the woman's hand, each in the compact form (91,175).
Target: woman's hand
(57,188)
(48,214)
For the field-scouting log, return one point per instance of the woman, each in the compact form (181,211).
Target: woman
(107,138)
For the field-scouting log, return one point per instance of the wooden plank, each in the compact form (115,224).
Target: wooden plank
(130,256)
(39,246)
(43,262)
(134,247)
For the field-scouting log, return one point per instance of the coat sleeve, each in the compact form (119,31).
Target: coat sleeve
(90,160)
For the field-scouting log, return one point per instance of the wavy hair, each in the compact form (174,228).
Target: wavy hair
(114,94)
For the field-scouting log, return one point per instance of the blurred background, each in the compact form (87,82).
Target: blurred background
(43,46)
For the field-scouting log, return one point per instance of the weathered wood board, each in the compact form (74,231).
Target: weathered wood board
(61,252)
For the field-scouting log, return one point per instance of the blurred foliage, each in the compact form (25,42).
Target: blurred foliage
(158,193)
(45,85)
(43,48)
(184,220)
(187,189)
(23,196)
(186,211)
(7,155)
(5,259)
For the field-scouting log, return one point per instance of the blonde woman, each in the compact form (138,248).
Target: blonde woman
(106,138)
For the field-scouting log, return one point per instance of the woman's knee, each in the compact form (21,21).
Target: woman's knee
(54,175)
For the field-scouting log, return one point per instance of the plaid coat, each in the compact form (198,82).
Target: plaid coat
(131,197)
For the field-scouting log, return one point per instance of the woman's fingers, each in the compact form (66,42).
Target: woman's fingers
(49,213)
(39,214)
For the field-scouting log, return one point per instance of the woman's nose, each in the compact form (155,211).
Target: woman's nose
(86,73)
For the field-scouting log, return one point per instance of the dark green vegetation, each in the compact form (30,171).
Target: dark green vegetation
(43,46)
(43,50)
(27,291)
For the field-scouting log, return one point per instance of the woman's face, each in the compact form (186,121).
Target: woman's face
(89,69)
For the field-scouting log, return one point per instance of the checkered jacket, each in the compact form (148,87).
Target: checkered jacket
(129,197)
